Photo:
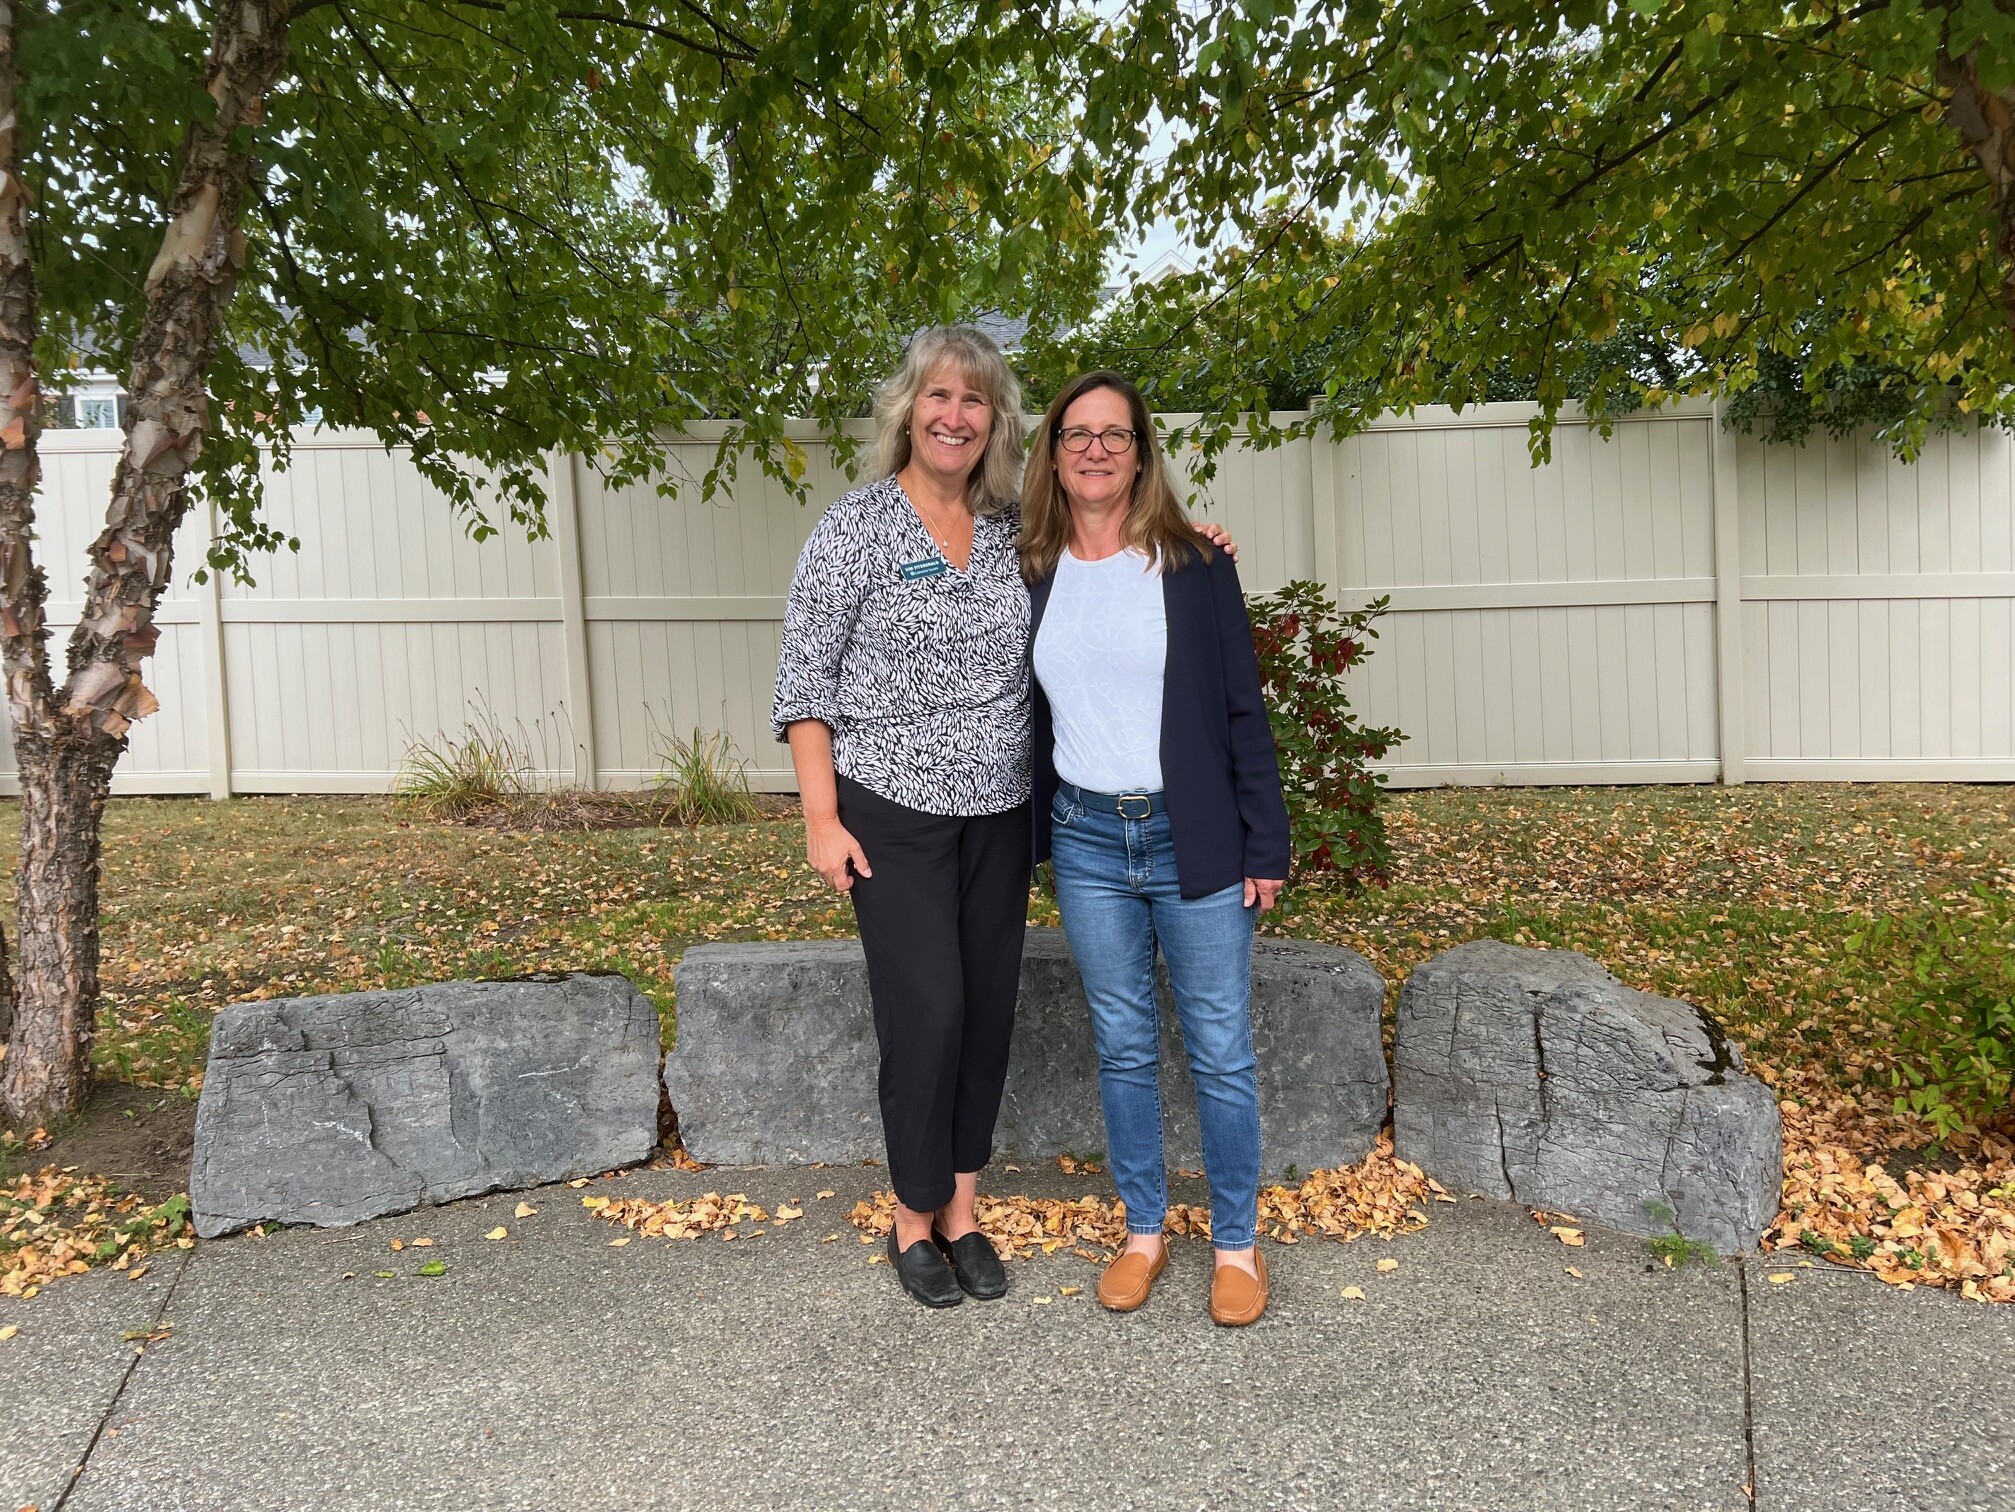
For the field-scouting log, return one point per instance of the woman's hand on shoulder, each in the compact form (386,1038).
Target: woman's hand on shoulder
(1217,535)
(829,848)
(1264,891)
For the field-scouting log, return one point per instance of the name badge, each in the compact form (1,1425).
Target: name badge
(929,567)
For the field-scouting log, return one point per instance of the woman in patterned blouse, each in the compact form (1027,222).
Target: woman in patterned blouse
(903,690)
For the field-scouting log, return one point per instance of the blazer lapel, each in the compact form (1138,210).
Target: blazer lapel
(1038,600)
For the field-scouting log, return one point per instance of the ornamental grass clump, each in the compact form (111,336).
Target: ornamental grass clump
(1306,646)
(702,781)
(456,777)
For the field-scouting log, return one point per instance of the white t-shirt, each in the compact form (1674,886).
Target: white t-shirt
(1100,657)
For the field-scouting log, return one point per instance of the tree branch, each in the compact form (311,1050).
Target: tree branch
(187,289)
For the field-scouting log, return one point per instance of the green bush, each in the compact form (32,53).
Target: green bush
(1305,646)
(1955,1044)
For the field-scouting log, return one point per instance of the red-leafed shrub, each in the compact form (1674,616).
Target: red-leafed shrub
(1305,646)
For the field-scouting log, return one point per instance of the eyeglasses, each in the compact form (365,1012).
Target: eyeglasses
(1117,441)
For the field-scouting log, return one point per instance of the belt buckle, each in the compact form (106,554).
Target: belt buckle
(1146,805)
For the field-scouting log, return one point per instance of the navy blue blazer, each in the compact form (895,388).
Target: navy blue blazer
(1220,777)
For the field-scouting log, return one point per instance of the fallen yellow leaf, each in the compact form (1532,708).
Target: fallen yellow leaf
(619,1243)
(829,1239)
(423,1244)
(828,1194)
(499,1232)
(1570,1236)
(578,1182)
(1353,1294)
(9,1331)
(397,1245)
(1069,1291)
(525,1210)
(1041,1301)
(1778,1278)
(594,1202)
(1574,1273)
(1388,1265)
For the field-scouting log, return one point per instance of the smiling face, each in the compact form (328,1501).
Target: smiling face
(1094,476)
(949,424)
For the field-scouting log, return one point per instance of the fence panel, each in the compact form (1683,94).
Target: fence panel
(1672,602)
(389,626)
(684,601)
(1549,624)
(1880,609)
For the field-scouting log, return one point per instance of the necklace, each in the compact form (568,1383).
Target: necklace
(943,540)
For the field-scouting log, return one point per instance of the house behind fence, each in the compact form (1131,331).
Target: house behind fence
(1673,603)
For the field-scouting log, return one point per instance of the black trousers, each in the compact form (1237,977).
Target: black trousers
(941,923)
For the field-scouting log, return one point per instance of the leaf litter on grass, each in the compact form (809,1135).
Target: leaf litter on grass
(57,1222)
(1738,899)
(1944,1228)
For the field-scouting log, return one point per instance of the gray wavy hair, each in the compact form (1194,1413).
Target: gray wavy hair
(995,481)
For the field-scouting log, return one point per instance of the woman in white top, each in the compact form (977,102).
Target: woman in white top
(1157,795)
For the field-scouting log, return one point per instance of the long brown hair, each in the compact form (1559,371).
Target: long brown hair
(1156,524)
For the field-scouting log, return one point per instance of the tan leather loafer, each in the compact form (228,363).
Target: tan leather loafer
(1125,1283)
(1236,1298)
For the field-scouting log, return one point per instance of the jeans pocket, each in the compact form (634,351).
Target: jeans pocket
(1062,812)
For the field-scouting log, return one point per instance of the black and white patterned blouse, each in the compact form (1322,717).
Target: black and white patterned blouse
(920,670)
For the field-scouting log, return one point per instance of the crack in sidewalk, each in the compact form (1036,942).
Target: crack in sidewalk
(139,1353)
(1750,1414)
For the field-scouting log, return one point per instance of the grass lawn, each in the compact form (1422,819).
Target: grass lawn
(1740,900)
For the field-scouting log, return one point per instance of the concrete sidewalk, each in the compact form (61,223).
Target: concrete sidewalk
(548,1370)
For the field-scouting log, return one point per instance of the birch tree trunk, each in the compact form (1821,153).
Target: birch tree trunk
(67,742)
(24,659)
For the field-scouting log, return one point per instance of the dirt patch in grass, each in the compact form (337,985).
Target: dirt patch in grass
(576,810)
(138,1138)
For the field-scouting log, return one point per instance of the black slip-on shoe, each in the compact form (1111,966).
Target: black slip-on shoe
(924,1274)
(975,1262)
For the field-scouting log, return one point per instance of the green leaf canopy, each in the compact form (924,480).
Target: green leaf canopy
(489,228)
(1416,203)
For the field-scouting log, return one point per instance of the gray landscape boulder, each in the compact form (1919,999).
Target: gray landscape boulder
(775,1060)
(330,1110)
(1535,1075)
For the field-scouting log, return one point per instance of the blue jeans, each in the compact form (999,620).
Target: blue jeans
(1116,887)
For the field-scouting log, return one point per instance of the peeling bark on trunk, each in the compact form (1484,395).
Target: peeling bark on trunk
(168,411)
(24,650)
(68,741)
(1985,121)
(63,786)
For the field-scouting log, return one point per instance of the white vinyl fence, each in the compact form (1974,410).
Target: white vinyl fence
(1673,603)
